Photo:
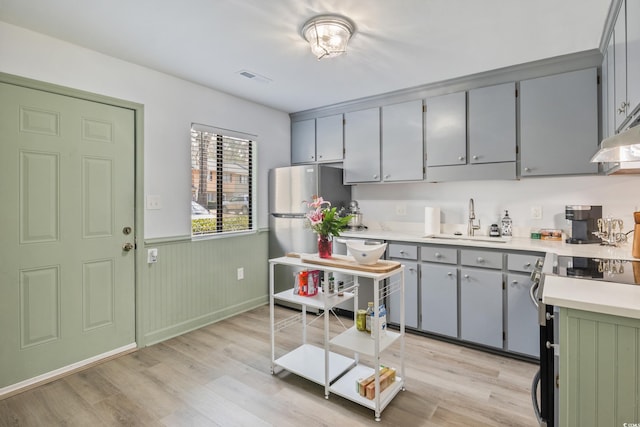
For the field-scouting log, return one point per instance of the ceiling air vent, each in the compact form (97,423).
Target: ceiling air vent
(254,76)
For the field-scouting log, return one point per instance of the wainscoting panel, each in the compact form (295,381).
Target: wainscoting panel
(194,283)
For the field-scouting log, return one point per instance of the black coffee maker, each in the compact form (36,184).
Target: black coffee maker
(584,221)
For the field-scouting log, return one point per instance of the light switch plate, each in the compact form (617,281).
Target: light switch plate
(152,255)
(536,212)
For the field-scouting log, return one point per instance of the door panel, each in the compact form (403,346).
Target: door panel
(67,184)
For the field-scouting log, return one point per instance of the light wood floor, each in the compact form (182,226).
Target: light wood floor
(220,375)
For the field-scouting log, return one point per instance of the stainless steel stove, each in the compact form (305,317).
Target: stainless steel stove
(602,269)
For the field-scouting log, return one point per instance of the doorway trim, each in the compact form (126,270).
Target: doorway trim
(138,110)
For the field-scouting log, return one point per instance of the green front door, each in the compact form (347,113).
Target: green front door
(66,206)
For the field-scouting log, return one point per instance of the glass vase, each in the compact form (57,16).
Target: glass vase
(324,246)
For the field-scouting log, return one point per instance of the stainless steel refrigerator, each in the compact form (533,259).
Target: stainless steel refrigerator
(289,188)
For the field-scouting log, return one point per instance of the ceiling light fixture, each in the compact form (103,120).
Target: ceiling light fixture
(328,35)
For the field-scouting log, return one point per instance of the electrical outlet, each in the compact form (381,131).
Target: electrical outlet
(152,256)
(154,202)
(401,209)
(536,212)
(240,273)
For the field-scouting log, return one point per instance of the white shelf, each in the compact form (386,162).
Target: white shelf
(361,342)
(307,361)
(346,387)
(321,301)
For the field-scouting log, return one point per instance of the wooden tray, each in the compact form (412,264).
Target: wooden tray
(345,261)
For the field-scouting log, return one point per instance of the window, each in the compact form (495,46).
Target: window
(221,181)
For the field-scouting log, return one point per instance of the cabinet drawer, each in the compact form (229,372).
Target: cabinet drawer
(522,262)
(484,259)
(439,254)
(403,251)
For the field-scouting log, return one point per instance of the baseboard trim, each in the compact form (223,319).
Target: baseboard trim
(25,385)
(172,331)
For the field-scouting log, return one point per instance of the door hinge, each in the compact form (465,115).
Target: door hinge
(504,285)
(598,79)
(344,122)
(424,108)
(504,336)
(516,93)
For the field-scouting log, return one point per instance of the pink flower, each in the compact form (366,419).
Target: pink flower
(318,201)
(315,217)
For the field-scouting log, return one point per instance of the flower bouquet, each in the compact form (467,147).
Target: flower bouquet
(326,222)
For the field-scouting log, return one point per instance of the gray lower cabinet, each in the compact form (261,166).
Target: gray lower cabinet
(559,124)
(410,300)
(439,299)
(481,306)
(522,316)
(362,146)
(407,254)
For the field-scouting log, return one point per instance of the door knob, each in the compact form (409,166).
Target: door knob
(127,247)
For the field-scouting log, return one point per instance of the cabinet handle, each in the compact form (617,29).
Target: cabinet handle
(475,157)
(527,169)
(515,282)
(450,274)
(413,270)
(387,176)
(375,176)
(461,158)
(437,255)
(320,156)
(466,276)
(480,259)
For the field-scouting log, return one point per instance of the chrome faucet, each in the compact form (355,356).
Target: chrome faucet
(471,228)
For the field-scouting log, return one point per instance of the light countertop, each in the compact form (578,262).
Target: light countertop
(590,295)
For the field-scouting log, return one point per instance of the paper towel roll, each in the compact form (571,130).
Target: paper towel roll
(431,221)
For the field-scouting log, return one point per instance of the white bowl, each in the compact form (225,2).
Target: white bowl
(366,254)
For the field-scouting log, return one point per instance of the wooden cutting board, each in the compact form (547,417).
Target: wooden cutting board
(345,261)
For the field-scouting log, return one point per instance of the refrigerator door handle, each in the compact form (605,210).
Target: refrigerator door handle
(534,397)
(289,215)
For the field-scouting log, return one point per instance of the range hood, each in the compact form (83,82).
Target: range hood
(623,150)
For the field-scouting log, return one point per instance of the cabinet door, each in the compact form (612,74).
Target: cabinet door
(439,299)
(633,54)
(492,124)
(481,306)
(329,138)
(410,298)
(620,60)
(402,142)
(559,124)
(446,129)
(362,146)
(303,141)
(522,317)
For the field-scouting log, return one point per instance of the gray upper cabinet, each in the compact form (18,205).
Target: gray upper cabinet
(559,124)
(446,129)
(633,55)
(303,141)
(329,138)
(362,146)
(492,124)
(608,93)
(402,142)
(620,65)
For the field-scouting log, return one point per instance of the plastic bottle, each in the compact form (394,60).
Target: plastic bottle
(369,316)
(506,224)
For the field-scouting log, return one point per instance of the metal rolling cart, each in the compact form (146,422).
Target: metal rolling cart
(336,372)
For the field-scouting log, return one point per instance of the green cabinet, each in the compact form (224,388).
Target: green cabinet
(599,369)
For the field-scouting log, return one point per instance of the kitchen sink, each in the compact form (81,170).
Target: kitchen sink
(470,238)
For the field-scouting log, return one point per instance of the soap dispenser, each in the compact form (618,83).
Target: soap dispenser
(506,224)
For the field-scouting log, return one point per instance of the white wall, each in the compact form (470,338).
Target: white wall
(618,195)
(170,106)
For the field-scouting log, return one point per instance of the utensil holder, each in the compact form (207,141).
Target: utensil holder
(635,250)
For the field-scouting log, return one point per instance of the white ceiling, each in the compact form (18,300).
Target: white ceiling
(398,43)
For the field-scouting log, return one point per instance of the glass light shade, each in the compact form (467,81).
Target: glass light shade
(327,35)
(623,147)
